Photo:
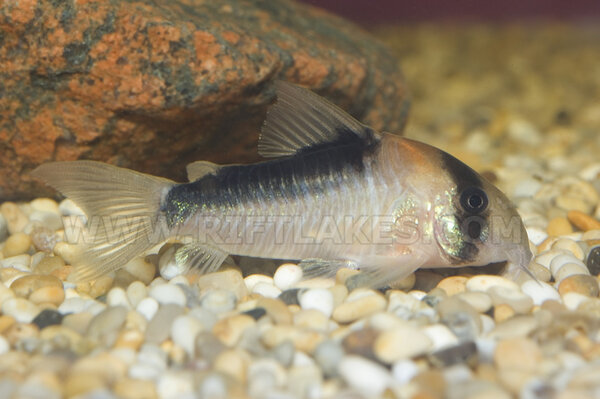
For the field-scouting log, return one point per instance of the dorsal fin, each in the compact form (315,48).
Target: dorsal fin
(198,169)
(300,119)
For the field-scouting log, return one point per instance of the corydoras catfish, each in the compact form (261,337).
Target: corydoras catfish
(332,193)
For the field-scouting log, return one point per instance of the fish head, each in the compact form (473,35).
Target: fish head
(474,222)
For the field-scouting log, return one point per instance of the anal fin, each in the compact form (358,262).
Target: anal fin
(204,258)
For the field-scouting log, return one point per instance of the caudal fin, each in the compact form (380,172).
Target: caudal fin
(122,207)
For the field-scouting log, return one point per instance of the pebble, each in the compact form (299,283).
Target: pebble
(276,309)
(136,292)
(515,327)
(570,246)
(562,259)
(521,354)
(484,282)
(26,285)
(367,377)
(47,317)
(207,346)
(254,279)
(320,299)
(21,309)
(404,370)
(175,384)
(218,301)
(358,307)
(15,219)
(461,353)
(118,297)
(256,313)
(480,301)
(159,327)
(141,270)
(583,221)
(107,323)
(129,388)
(328,355)
(287,276)
(453,285)
(570,269)
(441,337)
(168,294)
(16,244)
(579,283)
(48,265)
(233,362)
(593,261)
(517,300)
(184,330)
(460,317)
(3,228)
(147,307)
(559,226)
(290,297)
(230,280)
(265,289)
(391,345)
(230,329)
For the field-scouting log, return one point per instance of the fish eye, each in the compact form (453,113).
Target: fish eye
(474,200)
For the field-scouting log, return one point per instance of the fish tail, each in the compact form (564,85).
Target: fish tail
(123,210)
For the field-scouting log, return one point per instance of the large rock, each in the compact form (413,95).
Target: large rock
(154,85)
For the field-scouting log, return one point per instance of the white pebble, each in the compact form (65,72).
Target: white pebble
(19,262)
(254,279)
(527,188)
(4,345)
(287,275)
(21,309)
(546,257)
(540,291)
(484,282)
(117,297)
(169,267)
(572,300)
(184,331)
(487,324)
(68,208)
(404,370)
(44,205)
(74,304)
(267,290)
(320,299)
(144,371)
(561,260)
(440,336)
(174,385)
(168,293)
(136,291)
(536,235)
(147,308)
(570,269)
(218,301)
(366,376)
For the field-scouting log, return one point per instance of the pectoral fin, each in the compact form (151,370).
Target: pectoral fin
(204,258)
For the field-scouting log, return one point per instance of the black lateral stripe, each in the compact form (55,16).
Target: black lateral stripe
(304,172)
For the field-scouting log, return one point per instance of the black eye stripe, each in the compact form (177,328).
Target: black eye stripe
(474,200)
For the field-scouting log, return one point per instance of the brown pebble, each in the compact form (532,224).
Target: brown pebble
(453,285)
(579,283)
(503,312)
(15,218)
(49,264)
(6,322)
(583,221)
(24,286)
(431,383)
(129,388)
(361,342)
(16,244)
(229,330)
(521,354)
(48,295)
(80,383)
(559,226)
(276,309)
(20,331)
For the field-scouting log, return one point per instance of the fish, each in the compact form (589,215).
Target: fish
(330,193)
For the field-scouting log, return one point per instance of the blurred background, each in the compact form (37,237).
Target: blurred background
(368,12)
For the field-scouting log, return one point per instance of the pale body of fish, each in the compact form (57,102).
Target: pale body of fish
(334,193)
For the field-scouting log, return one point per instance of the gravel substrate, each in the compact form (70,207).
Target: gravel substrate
(520,104)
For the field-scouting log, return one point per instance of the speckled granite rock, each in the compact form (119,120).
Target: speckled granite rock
(153,86)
